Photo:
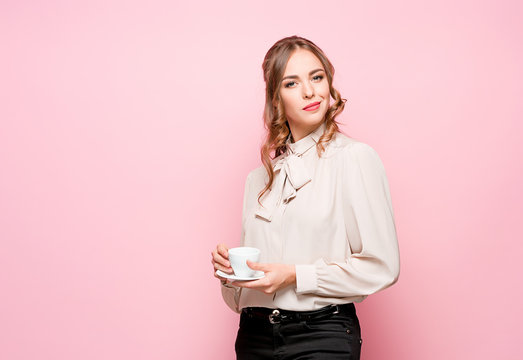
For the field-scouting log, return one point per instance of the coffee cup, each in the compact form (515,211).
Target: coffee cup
(238,257)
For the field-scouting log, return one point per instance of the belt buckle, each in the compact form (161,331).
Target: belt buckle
(337,309)
(274,318)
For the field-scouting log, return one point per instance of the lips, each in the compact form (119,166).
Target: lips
(312,105)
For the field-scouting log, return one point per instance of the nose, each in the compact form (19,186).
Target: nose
(308,90)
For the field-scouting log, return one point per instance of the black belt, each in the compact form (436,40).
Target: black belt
(275,316)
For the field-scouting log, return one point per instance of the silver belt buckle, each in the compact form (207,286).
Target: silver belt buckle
(274,318)
(337,309)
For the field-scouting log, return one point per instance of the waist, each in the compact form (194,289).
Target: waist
(275,316)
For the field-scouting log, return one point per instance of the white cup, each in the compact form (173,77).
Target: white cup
(238,257)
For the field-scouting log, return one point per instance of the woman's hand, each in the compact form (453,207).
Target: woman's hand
(277,276)
(220,260)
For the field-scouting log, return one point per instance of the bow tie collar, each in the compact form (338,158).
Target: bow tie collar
(290,174)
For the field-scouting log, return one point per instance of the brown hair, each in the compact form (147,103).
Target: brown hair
(275,122)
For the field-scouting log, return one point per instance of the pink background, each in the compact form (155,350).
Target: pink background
(128,128)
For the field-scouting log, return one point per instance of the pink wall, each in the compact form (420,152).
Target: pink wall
(127,131)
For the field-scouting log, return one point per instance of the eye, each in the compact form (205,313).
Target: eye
(319,77)
(289,84)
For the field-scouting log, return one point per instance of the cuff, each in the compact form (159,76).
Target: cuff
(306,279)
(226,284)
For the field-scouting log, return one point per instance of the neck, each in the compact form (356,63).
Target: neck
(300,133)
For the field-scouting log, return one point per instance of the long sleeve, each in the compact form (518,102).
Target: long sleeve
(374,262)
(231,294)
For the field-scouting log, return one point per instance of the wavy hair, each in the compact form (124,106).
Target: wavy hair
(275,123)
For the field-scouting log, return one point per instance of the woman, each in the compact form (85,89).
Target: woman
(322,219)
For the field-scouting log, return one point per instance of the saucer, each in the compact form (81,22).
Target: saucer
(257,275)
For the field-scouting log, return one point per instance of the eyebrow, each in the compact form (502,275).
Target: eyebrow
(296,76)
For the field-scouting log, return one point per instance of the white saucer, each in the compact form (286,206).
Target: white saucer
(257,275)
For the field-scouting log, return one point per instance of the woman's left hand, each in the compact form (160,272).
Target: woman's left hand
(277,276)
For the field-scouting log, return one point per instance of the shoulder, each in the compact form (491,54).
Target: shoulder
(260,173)
(256,173)
(257,177)
(355,151)
(347,145)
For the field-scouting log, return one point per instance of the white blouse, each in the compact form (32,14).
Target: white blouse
(331,216)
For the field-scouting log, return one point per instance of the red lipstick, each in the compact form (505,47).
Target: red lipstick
(312,106)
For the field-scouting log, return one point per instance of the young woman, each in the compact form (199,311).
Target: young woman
(319,210)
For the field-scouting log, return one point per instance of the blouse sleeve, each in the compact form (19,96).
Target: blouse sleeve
(369,220)
(231,294)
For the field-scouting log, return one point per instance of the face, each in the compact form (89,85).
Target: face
(304,83)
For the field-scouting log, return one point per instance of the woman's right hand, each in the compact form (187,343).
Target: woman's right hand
(220,260)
